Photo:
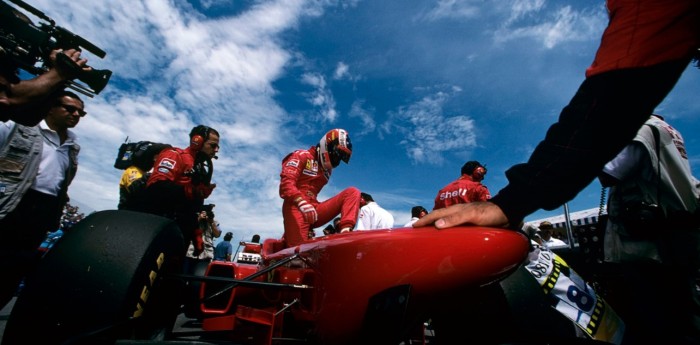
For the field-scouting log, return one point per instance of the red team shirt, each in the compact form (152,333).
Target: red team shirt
(461,191)
(173,165)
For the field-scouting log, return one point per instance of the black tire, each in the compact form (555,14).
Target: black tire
(512,311)
(105,280)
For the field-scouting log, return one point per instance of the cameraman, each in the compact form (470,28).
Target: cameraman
(39,163)
(19,99)
(199,254)
(202,246)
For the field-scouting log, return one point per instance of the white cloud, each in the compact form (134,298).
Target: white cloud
(428,132)
(453,9)
(321,97)
(522,8)
(216,3)
(342,70)
(364,115)
(563,25)
(175,68)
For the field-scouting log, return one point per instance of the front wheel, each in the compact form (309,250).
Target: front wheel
(105,280)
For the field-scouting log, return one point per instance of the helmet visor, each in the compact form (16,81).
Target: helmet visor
(344,150)
(338,147)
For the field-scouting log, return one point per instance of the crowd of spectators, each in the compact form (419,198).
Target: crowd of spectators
(71,216)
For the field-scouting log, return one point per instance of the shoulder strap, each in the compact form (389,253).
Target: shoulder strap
(657,145)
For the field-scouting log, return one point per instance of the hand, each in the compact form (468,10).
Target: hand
(482,213)
(68,64)
(66,70)
(203,191)
(308,210)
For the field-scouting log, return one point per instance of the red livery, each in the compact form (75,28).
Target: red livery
(116,277)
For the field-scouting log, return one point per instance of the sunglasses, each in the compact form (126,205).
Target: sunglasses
(71,109)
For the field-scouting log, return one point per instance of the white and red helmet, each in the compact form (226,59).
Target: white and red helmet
(334,147)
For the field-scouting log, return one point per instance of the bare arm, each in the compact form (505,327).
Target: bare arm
(481,213)
(45,83)
(27,93)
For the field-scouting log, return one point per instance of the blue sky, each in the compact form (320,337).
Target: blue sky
(421,86)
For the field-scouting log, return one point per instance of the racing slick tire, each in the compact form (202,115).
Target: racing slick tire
(106,279)
(512,311)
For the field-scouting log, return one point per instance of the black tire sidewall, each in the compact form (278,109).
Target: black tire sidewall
(111,267)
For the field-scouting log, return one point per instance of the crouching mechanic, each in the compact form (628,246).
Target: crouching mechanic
(304,173)
(181,180)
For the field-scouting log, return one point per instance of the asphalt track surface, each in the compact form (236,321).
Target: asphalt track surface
(182,324)
(4,314)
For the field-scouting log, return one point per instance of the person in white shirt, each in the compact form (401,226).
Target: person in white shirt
(39,163)
(545,231)
(372,216)
(417,212)
(655,264)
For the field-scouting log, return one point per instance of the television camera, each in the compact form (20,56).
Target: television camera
(29,46)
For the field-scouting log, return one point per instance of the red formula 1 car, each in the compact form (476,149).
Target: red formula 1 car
(116,279)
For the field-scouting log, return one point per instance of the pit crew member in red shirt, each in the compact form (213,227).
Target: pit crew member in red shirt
(181,180)
(466,188)
(304,173)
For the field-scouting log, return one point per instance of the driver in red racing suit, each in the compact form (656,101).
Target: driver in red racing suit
(180,181)
(304,173)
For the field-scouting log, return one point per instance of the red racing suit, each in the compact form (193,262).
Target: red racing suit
(171,192)
(176,165)
(461,191)
(303,176)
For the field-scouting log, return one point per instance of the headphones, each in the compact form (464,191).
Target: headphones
(198,136)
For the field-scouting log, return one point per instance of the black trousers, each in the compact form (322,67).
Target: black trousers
(21,234)
(659,301)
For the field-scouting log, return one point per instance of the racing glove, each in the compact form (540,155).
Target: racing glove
(308,210)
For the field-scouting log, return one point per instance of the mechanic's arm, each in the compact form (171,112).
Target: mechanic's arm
(482,213)
(592,129)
